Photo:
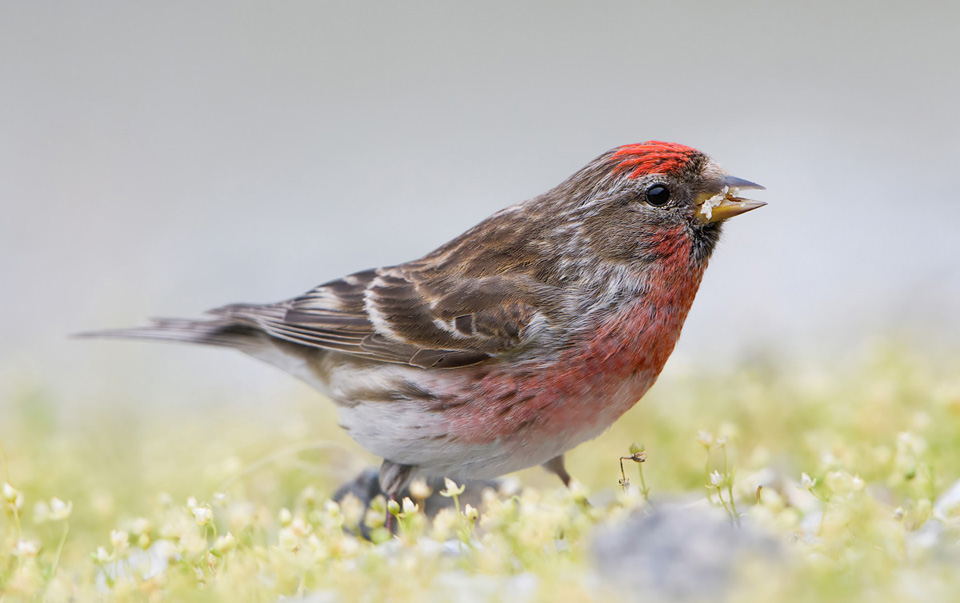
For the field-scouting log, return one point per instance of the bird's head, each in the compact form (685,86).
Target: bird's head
(642,201)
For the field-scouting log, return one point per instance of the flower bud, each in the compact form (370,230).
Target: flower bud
(419,489)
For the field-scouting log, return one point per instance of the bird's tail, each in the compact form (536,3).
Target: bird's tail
(223,332)
(229,332)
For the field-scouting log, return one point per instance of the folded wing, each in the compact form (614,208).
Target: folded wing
(399,315)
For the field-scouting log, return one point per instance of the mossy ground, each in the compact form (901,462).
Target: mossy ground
(879,440)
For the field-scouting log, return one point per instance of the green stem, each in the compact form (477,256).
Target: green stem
(643,483)
(56,559)
(729,480)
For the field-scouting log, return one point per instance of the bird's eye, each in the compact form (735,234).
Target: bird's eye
(658,195)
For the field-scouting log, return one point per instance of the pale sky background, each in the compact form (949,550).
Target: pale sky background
(162,160)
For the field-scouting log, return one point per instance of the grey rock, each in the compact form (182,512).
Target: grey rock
(679,553)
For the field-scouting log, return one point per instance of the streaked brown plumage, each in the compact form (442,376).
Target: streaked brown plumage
(514,342)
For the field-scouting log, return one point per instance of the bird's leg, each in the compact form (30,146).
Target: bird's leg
(393,479)
(555,466)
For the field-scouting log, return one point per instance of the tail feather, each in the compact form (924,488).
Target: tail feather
(218,332)
(229,332)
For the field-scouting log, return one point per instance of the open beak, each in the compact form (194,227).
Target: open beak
(727,203)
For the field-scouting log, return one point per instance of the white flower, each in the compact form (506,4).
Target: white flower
(13,496)
(119,539)
(419,489)
(102,556)
(807,482)
(225,543)
(705,438)
(288,540)
(470,512)
(332,508)
(857,483)
(285,517)
(203,515)
(444,523)
(716,480)
(409,507)
(451,488)
(60,510)
(191,502)
(26,548)
(219,498)
(299,527)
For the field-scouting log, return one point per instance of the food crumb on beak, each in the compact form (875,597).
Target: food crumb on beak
(706,209)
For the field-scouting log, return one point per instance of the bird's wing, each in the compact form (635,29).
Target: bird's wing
(398,315)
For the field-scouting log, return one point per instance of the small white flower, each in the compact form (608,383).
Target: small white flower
(120,539)
(219,499)
(285,517)
(807,482)
(26,548)
(288,540)
(716,480)
(470,512)
(225,543)
(203,515)
(13,496)
(419,489)
(191,502)
(451,489)
(299,527)
(899,513)
(705,438)
(310,495)
(409,507)
(60,510)
(444,524)
(332,508)
(102,556)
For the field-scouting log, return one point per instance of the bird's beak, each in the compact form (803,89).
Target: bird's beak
(727,203)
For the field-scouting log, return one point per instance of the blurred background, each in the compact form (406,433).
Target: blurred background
(160,160)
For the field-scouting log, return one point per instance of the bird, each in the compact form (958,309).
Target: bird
(518,340)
